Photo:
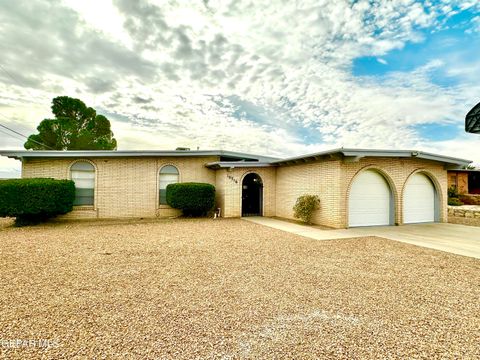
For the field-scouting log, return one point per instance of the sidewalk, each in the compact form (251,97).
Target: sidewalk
(302,230)
(452,238)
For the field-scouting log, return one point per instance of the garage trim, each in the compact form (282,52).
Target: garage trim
(438,196)
(391,185)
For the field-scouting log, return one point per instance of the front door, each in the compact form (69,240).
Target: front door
(252,195)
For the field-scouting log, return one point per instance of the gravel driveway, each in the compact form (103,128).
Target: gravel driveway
(229,289)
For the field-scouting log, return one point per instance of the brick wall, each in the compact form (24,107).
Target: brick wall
(321,178)
(331,181)
(125,187)
(459,180)
(396,172)
(128,187)
(229,190)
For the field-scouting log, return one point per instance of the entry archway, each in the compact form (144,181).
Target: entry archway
(252,195)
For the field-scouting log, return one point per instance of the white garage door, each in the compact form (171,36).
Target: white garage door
(418,200)
(369,200)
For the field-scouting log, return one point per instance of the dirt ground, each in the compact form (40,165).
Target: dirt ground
(229,289)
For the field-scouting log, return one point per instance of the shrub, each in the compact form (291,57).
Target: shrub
(194,199)
(453,192)
(453,201)
(305,206)
(32,201)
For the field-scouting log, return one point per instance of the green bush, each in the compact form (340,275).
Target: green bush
(194,199)
(32,201)
(453,192)
(453,201)
(305,206)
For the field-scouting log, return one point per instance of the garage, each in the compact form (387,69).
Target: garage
(418,200)
(370,200)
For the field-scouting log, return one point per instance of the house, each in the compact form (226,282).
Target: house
(356,187)
(467,183)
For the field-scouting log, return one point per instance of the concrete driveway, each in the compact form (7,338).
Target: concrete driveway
(453,238)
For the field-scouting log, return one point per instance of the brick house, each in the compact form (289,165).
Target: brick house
(356,187)
(467,182)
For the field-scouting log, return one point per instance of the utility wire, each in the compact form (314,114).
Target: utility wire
(10,75)
(23,86)
(6,127)
(7,133)
(26,137)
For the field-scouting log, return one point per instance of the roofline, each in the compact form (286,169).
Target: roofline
(20,154)
(237,164)
(354,154)
(359,153)
(465,170)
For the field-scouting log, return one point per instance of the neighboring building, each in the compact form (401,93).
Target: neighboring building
(355,187)
(467,181)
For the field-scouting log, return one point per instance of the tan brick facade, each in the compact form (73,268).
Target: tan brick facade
(128,187)
(229,190)
(331,181)
(124,187)
(459,179)
(316,178)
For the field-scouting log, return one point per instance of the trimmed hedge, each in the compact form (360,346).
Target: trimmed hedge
(34,200)
(194,199)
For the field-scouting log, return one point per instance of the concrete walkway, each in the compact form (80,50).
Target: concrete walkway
(456,239)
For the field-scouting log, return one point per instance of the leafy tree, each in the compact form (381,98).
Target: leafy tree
(75,127)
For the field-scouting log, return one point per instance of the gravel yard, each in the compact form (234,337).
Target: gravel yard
(230,289)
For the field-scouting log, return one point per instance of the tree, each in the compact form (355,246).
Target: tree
(75,127)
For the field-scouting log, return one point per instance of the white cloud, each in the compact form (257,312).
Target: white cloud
(162,72)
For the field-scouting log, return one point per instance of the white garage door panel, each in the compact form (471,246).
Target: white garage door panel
(369,200)
(418,200)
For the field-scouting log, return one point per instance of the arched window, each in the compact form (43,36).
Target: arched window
(168,175)
(83,174)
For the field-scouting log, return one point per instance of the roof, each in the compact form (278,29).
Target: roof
(466,170)
(237,164)
(24,154)
(354,154)
(237,159)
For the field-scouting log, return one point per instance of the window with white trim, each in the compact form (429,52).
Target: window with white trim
(83,174)
(168,175)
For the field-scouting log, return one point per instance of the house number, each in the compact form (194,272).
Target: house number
(233,179)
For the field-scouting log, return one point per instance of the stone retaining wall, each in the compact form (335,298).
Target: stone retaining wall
(466,215)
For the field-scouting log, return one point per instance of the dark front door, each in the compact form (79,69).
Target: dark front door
(252,195)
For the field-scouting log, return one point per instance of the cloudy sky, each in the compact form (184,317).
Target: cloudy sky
(271,77)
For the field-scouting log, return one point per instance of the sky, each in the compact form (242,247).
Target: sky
(279,78)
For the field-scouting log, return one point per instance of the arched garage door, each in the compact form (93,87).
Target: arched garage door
(369,202)
(418,200)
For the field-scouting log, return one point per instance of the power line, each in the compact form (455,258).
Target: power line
(7,133)
(10,75)
(24,86)
(6,127)
(26,137)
